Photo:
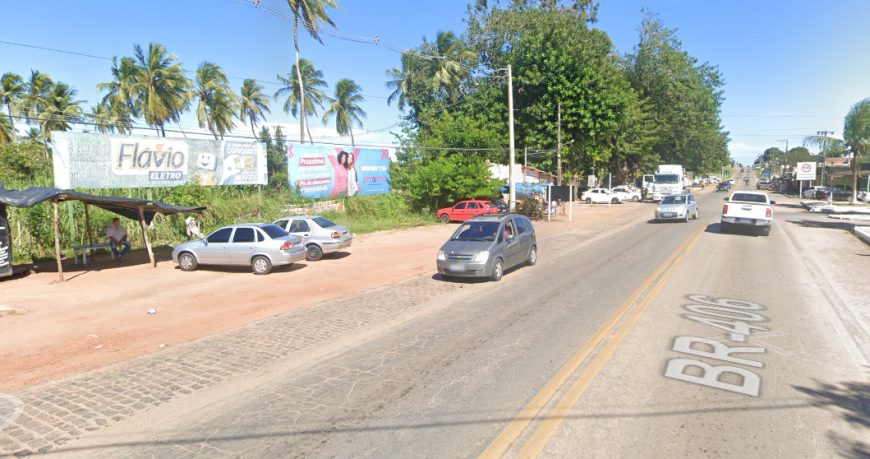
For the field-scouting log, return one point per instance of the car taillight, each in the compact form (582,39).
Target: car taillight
(769,213)
(335,235)
(725,209)
(287,246)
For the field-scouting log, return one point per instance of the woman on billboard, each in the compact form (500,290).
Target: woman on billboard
(352,186)
(340,175)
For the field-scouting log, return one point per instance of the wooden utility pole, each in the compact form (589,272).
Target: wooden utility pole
(559,145)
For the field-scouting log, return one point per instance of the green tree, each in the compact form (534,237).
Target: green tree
(7,130)
(856,137)
(404,79)
(159,88)
(311,13)
(253,102)
(312,81)
(32,102)
(446,62)
(276,156)
(216,103)
(345,108)
(683,97)
(59,110)
(11,90)
(119,102)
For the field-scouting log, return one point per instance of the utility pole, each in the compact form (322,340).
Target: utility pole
(513,191)
(824,155)
(776,161)
(559,145)
(525,162)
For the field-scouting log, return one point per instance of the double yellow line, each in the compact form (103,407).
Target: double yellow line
(551,422)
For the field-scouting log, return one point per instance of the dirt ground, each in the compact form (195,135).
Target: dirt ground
(99,315)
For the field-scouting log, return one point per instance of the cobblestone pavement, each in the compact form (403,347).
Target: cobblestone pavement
(59,410)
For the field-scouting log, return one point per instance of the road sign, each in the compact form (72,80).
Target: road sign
(806,171)
(765,174)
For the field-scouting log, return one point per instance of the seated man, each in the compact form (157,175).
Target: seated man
(117,236)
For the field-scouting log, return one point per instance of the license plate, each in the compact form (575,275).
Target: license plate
(668,214)
(746,220)
(456,267)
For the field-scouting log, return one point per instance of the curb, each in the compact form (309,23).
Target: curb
(863,233)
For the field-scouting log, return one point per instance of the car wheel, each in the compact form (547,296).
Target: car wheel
(261,265)
(687,217)
(533,256)
(187,262)
(614,201)
(314,253)
(445,218)
(588,200)
(696,214)
(497,270)
(635,199)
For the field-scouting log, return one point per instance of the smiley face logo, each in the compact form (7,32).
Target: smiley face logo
(206,161)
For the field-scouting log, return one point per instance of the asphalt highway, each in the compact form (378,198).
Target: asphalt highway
(657,340)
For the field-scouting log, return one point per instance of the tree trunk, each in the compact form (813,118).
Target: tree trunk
(855,178)
(12,120)
(352,144)
(299,77)
(253,130)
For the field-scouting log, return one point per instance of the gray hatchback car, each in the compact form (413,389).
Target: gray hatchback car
(321,236)
(260,245)
(487,245)
(679,207)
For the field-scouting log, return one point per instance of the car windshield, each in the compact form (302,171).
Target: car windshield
(476,231)
(322,222)
(274,231)
(674,200)
(490,205)
(748,197)
(667,178)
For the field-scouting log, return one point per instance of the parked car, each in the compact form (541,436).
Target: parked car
(628,193)
(763,185)
(810,193)
(677,207)
(601,195)
(465,210)
(748,209)
(321,236)
(487,245)
(260,245)
(501,205)
(724,186)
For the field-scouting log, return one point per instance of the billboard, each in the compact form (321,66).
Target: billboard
(805,171)
(84,160)
(322,171)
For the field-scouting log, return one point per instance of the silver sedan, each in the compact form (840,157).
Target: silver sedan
(677,207)
(260,245)
(321,236)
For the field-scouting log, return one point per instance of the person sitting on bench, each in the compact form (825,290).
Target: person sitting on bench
(117,236)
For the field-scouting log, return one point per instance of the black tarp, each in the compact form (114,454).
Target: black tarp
(5,249)
(127,207)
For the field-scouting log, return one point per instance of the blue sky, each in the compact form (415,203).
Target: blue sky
(791,67)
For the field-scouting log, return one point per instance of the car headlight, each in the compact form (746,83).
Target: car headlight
(441,256)
(658,209)
(481,257)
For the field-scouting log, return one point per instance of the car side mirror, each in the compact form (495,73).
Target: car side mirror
(725,199)
(205,240)
(510,237)
(772,202)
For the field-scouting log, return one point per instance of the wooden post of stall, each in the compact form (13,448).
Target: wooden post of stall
(145,237)
(57,241)
(88,228)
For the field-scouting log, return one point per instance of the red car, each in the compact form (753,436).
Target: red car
(464,210)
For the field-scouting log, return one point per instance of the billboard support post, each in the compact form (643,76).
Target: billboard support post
(145,237)
(571,205)
(57,241)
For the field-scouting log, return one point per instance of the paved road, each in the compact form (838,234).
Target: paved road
(595,352)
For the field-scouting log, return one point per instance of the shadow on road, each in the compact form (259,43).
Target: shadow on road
(824,224)
(850,400)
(716,228)
(246,269)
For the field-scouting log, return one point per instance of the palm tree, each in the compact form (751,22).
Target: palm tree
(856,139)
(7,130)
(11,90)
(856,136)
(60,109)
(32,103)
(404,78)
(253,102)
(345,108)
(217,103)
(120,89)
(102,116)
(445,63)
(312,80)
(311,13)
(158,86)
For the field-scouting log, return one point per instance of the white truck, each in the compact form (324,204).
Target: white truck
(668,179)
(747,209)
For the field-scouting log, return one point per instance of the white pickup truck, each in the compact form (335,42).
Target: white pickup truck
(747,209)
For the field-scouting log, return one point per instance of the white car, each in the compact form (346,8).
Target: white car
(627,193)
(747,209)
(810,193)
(601,195)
